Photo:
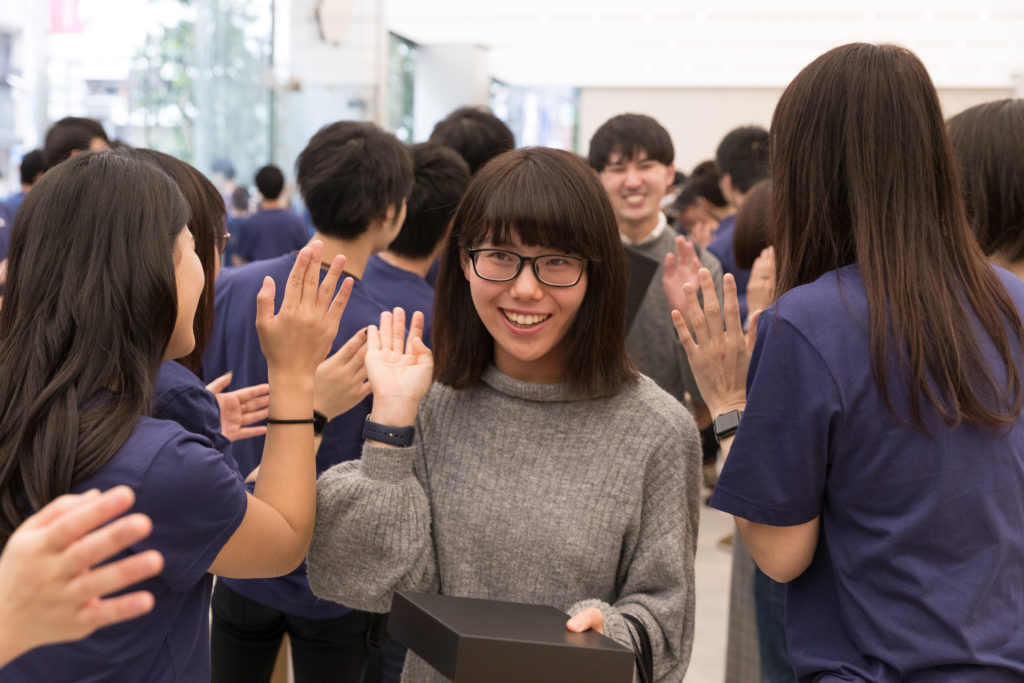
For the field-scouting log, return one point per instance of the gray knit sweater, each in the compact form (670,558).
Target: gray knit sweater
(652,341)
(513,491)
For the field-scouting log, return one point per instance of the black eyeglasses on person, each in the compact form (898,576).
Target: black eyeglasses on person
(500,265)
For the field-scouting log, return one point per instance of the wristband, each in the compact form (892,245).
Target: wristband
(272,421)
(394,436)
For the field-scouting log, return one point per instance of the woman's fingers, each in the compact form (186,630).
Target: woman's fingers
(99,613)
(296,277)
(731,319)
(97,546)
(330,282)
(311,274)
(398,329)
(415,330)
(589,619)
(97,510)
(220,384)
(117,576)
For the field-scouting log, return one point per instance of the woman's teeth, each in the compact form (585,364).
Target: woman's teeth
(525,320)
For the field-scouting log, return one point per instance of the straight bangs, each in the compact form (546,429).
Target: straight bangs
(534,203)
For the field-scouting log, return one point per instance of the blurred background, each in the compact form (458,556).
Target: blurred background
(230,85)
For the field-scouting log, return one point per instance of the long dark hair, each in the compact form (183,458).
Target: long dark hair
(208,224)
(864,173)
(548,198)
(91,304)
(989,142)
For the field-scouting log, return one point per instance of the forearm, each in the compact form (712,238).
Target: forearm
(286,479)
(372,533)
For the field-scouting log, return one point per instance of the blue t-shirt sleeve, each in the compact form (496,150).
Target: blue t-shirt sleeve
(776,470)
(196,501)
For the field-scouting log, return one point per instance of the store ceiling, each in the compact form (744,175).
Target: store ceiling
(666,43)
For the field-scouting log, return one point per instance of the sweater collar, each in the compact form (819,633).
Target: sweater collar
(527,391)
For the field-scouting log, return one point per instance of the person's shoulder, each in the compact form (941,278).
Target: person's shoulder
(644,402)
(254,272)
(1013,284)
(837,293)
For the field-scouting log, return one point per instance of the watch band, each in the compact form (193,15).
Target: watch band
(319,423)
(394,436)
(726,424)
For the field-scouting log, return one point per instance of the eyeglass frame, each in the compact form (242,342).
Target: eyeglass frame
(222,242)
(524,259)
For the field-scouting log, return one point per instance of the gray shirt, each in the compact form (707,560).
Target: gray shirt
(516,491)
(652,341)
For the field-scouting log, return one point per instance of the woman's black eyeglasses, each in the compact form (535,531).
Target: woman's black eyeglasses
(554,270)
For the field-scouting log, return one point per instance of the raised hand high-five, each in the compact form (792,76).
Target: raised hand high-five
(400,371)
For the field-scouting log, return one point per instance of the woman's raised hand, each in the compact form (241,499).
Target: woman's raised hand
(761,287)
(52,582)
(400,370)
(299,337)
(718,351)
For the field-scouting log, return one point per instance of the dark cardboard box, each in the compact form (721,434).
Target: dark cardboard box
(485,641)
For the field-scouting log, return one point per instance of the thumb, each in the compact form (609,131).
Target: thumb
(218,385)
(265,302)
(586,620)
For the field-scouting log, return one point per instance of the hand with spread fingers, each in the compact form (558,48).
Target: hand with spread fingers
(680,268)
(717,349)
(240,408)
(298,338)
(400,371)
(51,589)
(340,382)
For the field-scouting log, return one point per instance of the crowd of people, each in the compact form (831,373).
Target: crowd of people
(505,373)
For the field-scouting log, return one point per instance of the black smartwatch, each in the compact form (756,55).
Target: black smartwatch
(726,424)
(394,436)
(319,423)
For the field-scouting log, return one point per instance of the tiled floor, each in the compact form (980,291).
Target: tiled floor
(714,564)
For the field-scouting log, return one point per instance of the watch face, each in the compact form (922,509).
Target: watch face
(726,424)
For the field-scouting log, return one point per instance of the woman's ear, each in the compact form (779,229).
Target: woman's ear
(465,262)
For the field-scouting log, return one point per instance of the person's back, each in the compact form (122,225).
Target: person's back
(397,275)
(274,229)
(879,456)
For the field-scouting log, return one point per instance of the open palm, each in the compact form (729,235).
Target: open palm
(400,370)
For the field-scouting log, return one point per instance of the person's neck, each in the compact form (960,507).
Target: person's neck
(1015,267)
(357,252)
(272,204)
(416,266)
(25,188)
(637,232)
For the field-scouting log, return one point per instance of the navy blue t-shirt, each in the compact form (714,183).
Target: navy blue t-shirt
(919,570)
(270,233)
(392,286)
(721,247)
(179,395)
(234,346)
(196,501)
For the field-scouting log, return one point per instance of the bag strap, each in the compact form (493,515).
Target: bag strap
(641,647)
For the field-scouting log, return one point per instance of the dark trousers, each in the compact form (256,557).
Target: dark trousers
(245,637)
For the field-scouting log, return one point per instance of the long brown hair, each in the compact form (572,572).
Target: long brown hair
(864,173)
(548,198)
(208,224)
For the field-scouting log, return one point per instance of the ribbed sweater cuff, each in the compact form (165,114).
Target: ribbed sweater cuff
(389,464)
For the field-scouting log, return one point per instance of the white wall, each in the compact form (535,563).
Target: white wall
(447,77)
(697,118)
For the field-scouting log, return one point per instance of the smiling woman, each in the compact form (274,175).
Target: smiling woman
(557,474)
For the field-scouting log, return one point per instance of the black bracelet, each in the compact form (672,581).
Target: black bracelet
(272,421)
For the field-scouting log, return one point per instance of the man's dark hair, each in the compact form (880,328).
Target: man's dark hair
(240,199)
(544,197)
(440,178)
(224,167)
(270,181)
(627,135)
(475,133)
(702,184)
(32,164)
(349,174)
(69,134)
(743,154)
